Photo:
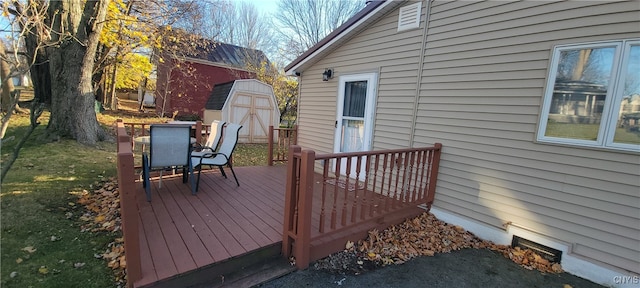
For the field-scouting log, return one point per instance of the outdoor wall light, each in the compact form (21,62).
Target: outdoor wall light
(327,74)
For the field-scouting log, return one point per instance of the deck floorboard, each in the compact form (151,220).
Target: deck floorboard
(181,232)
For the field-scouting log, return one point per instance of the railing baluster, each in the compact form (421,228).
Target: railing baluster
(403,189)
(423,168)
(346,192)
(395,168)
(373,187)
(334,211)
(354,203)
(366,194)
(325,176)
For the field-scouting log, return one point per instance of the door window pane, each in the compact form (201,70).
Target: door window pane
(352,135)
(579,93)
(628,126)
(355,97)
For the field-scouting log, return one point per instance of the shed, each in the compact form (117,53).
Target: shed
(248,102)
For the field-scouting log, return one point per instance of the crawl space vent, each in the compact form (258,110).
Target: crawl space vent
(553,255)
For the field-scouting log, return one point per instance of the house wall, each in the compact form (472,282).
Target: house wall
(380,49)
(190,85)
(479,93)
(485,70)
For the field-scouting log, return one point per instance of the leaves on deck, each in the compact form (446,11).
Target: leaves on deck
(102,214)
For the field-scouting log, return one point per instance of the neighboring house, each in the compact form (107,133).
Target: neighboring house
(247,102)
(524,153)
(184,85)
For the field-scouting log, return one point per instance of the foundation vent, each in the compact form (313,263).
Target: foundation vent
(553,255)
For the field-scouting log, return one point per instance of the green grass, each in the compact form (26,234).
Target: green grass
(38,204)
(38,210)
(588,132)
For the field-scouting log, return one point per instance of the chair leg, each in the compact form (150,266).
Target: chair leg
(145,172)
(222,172)
(234,173)
(185,176)
(198,181)
(193,184)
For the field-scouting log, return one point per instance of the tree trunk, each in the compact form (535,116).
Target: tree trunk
(583,58)
(7,83)
(112,88)
(71,66)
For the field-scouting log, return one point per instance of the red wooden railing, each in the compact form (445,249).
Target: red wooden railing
(373,185)
(280,139)
(128,207)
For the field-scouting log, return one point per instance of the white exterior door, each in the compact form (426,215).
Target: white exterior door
(354,123)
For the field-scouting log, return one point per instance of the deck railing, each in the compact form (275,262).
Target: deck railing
(128,207)
(280,139)
(351,188)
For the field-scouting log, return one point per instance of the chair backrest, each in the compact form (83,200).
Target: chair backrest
(214,135)
(230,139)
(170,145)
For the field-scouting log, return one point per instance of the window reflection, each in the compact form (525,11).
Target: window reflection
(580,91)
(628,126)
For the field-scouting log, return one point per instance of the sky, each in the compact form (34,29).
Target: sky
(266,6)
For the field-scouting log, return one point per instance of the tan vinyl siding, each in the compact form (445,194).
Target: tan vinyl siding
(483,81)
(381,49)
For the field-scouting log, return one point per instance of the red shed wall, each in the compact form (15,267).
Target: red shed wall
(190,85)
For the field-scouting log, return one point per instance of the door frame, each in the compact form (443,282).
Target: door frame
(372,89)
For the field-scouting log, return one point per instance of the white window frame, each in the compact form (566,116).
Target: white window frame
(609,116)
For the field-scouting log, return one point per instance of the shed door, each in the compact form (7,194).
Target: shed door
(255,113)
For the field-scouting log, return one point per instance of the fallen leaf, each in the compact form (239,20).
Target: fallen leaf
(29,249)
(19,260)
(78,265)
(349,245)
(43,270)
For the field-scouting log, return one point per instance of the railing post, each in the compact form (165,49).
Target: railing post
(295,134)
(198,131)
(290,200)
(303,241)
(270,147)
(433,177)
(128,206)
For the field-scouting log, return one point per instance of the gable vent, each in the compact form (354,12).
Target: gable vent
(409,17)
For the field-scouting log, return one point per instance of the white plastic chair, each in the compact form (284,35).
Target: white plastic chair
(169,147)
(221,157)
(212,141)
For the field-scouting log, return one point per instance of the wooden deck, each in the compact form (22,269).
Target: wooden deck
(181,232)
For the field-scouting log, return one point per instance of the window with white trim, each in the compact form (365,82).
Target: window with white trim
(409,16)
(593,96)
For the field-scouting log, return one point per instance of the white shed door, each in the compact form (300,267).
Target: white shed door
(255,113)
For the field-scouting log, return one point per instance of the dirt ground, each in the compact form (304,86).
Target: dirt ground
(463,268)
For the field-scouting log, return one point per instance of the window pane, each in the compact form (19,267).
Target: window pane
(355,97)
(580,91)
(352,136)
(627,130)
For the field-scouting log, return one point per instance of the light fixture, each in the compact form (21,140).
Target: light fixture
(327,74)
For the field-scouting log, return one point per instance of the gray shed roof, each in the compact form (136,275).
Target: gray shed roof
(218,96)
(229,54)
